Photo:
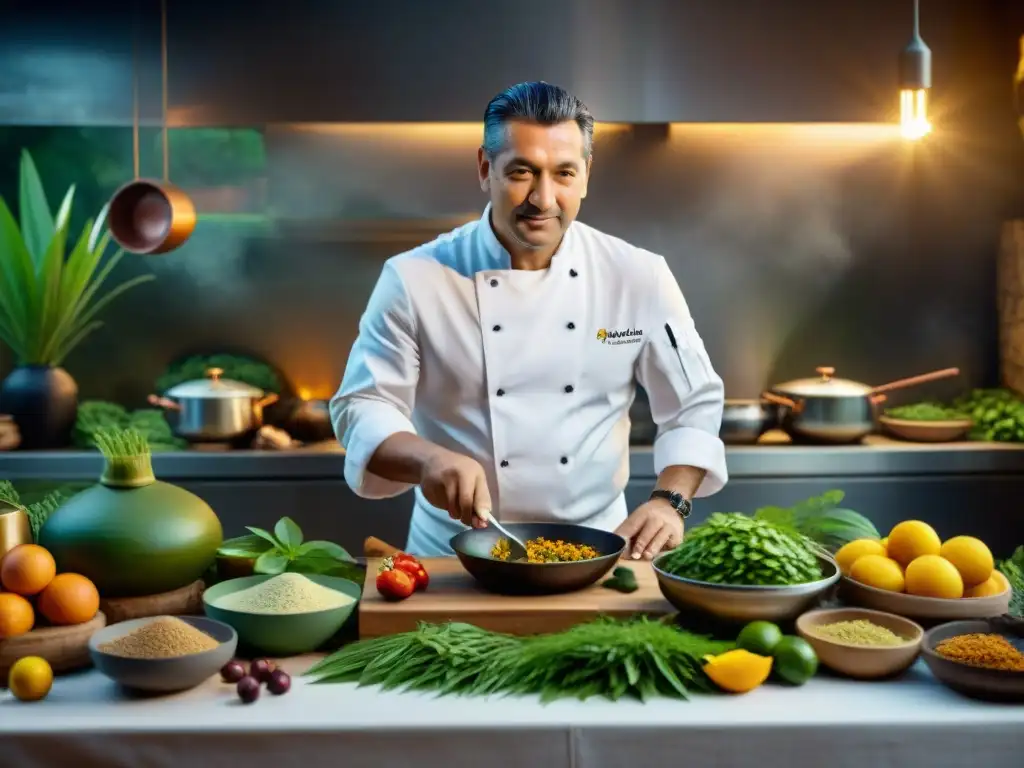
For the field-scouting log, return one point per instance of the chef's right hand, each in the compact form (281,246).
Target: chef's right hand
(458,484)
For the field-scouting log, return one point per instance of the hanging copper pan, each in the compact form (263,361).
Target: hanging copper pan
(147,216)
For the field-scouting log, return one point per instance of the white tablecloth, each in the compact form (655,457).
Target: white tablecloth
(88,722)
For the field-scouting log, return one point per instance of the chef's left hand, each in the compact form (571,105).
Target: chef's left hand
(653,527)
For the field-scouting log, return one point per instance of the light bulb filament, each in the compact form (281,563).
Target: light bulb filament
(914,114)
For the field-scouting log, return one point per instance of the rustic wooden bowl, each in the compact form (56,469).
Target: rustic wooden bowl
(915,431)
(64,648)
(864,662)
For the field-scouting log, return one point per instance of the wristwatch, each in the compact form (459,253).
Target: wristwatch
(679,503)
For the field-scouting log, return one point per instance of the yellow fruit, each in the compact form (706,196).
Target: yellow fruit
(850,552)
(27,569)
(878,571)
(30,679)
(16,615)
(738,671)
(971,557)
(996,584)
(885,543)
(911,539)
(934,576)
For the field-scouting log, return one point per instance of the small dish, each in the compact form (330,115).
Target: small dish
(923,608)
(743,603)
(864,662)
(915,431)
(974,682)
(163,675)
(287,634)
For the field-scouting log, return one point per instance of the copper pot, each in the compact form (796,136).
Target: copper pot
(151,217)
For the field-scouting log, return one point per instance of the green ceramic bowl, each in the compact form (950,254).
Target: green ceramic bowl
(282,634)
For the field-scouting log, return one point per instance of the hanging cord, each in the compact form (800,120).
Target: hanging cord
(163,65)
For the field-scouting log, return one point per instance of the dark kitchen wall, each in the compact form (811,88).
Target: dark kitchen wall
(803,229)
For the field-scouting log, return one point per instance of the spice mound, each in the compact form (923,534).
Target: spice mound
(287,593)
(164,638)
(541,550)
(859,632)
(981,650)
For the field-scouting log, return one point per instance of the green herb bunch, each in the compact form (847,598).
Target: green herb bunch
(285,550)
(1013,570)
(925,411)
(821,519)
(733,548)
(998,414)
(637,658)
(39,511)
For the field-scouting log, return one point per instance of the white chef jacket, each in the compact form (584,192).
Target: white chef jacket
(531,373)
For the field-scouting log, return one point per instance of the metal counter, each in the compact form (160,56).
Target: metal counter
(877,457)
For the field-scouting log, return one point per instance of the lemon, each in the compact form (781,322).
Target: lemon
(885,543)
(848,553)
(996,584)
(911,539)
(934,576)
(971,557)
(30,679)
(738,671)
(878,571)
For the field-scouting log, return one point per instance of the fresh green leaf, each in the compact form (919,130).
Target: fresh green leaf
(329,548)
(245,546)
(266,535)
(9,494)
(271,562)
(288,533)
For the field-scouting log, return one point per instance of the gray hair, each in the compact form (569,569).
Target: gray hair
(537,102)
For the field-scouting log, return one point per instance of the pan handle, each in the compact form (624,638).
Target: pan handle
(913,381)
(266,400)
(163,402)
(774,399)
(877,399)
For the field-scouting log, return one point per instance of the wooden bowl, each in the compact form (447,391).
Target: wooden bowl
(926,431)
(864,662)
(974,682)
(923,608)
(64,648)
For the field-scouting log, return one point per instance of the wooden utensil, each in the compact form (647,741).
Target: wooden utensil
(65,648)
(453,595)
(187,601)
(374,547)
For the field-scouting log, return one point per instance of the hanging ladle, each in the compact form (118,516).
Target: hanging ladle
(146,216)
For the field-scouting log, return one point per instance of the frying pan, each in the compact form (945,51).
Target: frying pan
(473,548)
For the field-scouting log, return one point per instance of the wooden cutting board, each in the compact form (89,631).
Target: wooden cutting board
(453,595)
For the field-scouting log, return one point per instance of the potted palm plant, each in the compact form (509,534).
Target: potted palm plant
(50,294)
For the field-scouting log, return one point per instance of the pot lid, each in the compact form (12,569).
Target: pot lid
(824,385)
(214,386)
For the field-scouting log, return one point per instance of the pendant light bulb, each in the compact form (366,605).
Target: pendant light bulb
(915,82)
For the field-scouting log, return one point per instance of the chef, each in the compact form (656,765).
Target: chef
(495,366)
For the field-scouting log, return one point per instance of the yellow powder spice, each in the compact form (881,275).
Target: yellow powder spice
(284,594)
(164,638)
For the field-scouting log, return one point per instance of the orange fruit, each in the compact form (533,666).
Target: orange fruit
(69,599)
(16,615)
(27,569)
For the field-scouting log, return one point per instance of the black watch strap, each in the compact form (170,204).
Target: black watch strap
(680,503)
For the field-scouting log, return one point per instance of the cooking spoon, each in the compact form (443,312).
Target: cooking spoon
(516,548)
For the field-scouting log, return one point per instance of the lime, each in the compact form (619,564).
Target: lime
(759,637)
(795,660)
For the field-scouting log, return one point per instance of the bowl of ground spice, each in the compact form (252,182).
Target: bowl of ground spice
(163,653)
(978,659)
(283,615)
(861,643)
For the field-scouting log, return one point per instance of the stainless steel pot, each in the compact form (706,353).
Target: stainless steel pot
(214,409)
(831,410)
(744,421)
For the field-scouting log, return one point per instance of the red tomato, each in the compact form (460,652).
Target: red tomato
(394,584)
(416,572)
(402,557)
(422,578)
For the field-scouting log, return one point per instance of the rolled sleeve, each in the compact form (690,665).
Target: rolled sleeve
(378,391)
(686,394)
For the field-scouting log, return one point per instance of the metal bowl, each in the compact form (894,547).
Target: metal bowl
(473,548)
(741,602)
(744,421)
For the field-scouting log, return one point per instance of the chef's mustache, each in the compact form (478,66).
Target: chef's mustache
(528,209)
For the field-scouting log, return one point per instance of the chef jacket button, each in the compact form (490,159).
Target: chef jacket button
(573,273)
(496,328)
(501,392)
(571,326)
(494,283)
(569,388)
(564,459)
(504,462)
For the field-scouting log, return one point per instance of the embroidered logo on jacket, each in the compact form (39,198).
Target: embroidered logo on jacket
(625,336)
